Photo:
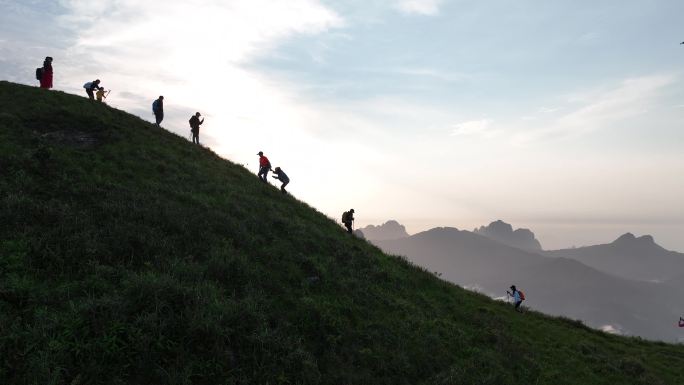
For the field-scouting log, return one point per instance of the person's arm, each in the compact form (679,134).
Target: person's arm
(202,121)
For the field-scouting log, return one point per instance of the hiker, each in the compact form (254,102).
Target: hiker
(681,322)
(264,167)
(195,122)
(100,94)
(281,176)
(348,220)
(45,74)
(518,297)
(158,110)
(90,87)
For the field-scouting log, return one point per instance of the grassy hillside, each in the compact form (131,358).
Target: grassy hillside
(130,256)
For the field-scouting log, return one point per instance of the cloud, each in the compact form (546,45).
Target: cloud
(473,128)
(612,329)
(420,7)
(599,108)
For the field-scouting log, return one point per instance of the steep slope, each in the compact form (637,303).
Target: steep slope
(629,257)
(557,286)
(130,256)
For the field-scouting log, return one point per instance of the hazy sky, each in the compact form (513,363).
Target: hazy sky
(565,117)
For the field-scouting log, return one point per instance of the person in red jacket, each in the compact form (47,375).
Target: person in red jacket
(264,167)
(46,77)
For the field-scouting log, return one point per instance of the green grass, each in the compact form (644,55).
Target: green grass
(130,256)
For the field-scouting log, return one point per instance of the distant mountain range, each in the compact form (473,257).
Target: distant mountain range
(388,230)
(629,257)
(560,285)
(502,232)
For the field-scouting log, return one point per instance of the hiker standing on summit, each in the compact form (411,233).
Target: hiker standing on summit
(518,297)
(158,110)
(46,74)
(195,123)
(91,87)
(264,167)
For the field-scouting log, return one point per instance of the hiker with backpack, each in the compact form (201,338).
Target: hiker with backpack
(264,167)
(518,297)
(348,220)
(158,110)
(44,74)
(195,124)
(681,322)
(281,176)
(91,87)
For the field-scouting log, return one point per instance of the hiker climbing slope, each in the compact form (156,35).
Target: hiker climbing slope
(348,220)
(281,176)
(100,94)
(44,74)
(158,110)
(518,297)
(195,124)
(91,87)
(264,167)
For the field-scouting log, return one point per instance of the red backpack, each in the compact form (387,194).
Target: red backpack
(522,295)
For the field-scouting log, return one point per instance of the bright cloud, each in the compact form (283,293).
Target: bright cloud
(421,7)
(472,127)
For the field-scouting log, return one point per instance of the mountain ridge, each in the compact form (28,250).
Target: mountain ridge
(128,255)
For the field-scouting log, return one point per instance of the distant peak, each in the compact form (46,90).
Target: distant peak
(503,232)
(629,238)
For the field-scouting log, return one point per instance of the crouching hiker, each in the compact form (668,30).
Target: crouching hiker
(281,176)
(348,220)
(91,87)
(100,94)
(518,297)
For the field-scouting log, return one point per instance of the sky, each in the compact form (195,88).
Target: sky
(564,117)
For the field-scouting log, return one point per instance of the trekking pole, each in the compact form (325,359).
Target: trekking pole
(108,91)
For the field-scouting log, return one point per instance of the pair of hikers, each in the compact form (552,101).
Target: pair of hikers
(92,87)
(518,297)
(348,220)
(44,74)
(265,167)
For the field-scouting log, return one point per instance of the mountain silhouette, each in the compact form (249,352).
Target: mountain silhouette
(388,230)
(632,257)
(503,232)
(559,286)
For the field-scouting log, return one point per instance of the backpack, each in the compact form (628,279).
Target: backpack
(39,73)
(522,295)
(345,217)
(155,106)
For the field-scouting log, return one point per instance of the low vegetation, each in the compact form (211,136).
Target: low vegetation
(130,256)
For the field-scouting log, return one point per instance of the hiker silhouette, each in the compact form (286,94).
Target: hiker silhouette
(44,74)
(281,176)
(348,220)
(158,110)
(91,87)
(195,124)
(264,167)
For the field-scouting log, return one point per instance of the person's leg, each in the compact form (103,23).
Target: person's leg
(90,94)
(158,118)
(261,175)
(282,188)
(517,306)
(349,228)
